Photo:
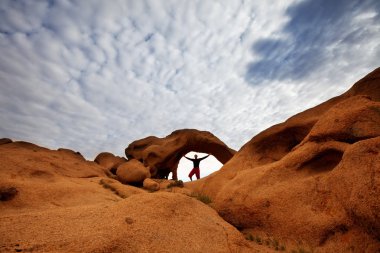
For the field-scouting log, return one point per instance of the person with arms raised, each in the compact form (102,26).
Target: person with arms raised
(196,161)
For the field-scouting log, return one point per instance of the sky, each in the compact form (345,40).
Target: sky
(96,75)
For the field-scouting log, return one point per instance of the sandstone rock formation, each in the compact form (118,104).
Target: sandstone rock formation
(5,141)
(46,178)
(151,185)
(109,161)
(54,201)
(70,153)
(312,182)
(162,155)
(156,222)
(121,190)
(132,172)
(314,178)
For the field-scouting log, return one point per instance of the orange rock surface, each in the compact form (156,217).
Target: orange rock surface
(132,171)
(54,201)
(314,178)
(109,161)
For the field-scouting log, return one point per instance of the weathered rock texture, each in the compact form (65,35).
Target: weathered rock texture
(162,155)
(132,172)
(54,201)
(109,161)
(314,178)
(46,178)
(312,182)
(7,193)
(157,222)
(151,185)
(68,152)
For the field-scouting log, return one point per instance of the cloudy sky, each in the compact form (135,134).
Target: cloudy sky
(96,75)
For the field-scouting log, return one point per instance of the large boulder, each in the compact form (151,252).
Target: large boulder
(132,172)
(314,178)
(162,155)
(109,161)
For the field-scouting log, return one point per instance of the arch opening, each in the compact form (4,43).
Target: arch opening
(207,166)
(162,155)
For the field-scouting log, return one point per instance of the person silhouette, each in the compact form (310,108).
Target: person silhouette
(196,161)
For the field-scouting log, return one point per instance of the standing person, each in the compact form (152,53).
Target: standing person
(196,163)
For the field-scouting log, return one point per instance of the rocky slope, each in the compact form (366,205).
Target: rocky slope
(314,178)
(56,201)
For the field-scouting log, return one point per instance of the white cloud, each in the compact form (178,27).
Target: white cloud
(94,75)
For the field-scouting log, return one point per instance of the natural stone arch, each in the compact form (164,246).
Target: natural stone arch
(162,155)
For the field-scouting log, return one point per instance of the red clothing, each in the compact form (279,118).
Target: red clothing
(195,171)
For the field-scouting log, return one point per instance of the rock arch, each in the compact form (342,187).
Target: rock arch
(162,155)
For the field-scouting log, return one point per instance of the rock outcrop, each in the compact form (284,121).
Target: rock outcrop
(312,183)
(53,201)
(5,141)
(71,153)
(132,172)
(162,155)
(109,161)
(121,190)
(47,178)
(314,178)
